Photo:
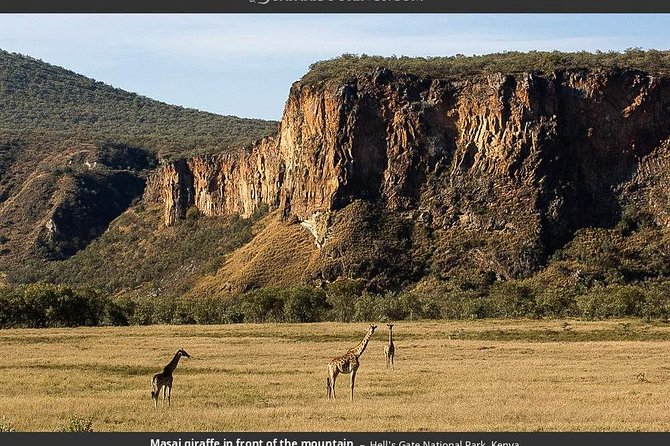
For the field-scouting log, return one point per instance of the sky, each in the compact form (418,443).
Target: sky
(244,65)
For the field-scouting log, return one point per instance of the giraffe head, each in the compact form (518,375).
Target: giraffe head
(390,326)
(372,328)
(182,352)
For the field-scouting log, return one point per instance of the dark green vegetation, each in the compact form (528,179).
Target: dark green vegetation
(348,65)
(45,305)
(45,103)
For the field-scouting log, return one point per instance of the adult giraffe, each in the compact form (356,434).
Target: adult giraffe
(347,364)
(163,380)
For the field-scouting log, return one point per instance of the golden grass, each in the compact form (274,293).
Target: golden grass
(280,254)
(450,376)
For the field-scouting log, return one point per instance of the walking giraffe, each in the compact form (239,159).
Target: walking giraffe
(389,350)
(347,364)
(163,380)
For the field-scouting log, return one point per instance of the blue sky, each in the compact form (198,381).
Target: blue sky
(244,64)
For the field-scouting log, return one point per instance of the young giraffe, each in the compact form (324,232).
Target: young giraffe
(347,363)
(163,380)
(389,350)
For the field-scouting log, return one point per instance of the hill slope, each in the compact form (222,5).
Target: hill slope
(75,153)
(42,100)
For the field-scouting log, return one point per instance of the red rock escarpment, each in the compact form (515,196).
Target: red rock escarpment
(531,157)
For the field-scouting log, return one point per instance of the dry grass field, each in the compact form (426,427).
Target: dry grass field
(450,376)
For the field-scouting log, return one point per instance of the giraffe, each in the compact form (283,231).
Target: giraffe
(389,350)
(347,364)
(163,380)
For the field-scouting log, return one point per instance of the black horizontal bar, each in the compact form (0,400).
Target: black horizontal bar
(334,6)
(338,439)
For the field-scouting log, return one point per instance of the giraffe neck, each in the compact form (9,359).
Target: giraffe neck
(391,336)
(360,348)
(173,364)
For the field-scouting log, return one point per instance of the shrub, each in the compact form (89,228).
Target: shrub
(389,307)
(6,425)
(341,296)
(142,311)
(192,213)
(77,424)
(365,307)
(612,301)
(555,301)
(512,299)
(463,304)
(263,305)
(304,304)
(117,312)
(46,305)
(202,310)
(419,306)
(348,65)
(657,302)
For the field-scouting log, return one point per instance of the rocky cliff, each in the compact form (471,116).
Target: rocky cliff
(496,170)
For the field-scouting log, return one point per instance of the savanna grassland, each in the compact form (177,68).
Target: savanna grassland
(450,376)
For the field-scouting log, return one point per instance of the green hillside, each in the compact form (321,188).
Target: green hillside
(75,154)
(43,102)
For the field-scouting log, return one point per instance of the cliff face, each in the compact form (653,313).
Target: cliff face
(500,169)
(237,182)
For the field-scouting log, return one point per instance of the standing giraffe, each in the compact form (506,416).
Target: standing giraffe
(389,350)
(347,363)
(163,380)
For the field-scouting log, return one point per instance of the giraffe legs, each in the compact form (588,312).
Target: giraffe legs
(353,379)
(155,390)
(169,392)
(330,381)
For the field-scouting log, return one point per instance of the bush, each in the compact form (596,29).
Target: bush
(192,213)
(349,65)
(395,306)
(555,301)
(77,424)
(6,425)
(612,301)
(46,305)
(657,302)
(203,310)
(118,312)
(263,305)
(365,307)
(512,299)
(341,296)
(462,304)
(304,304)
